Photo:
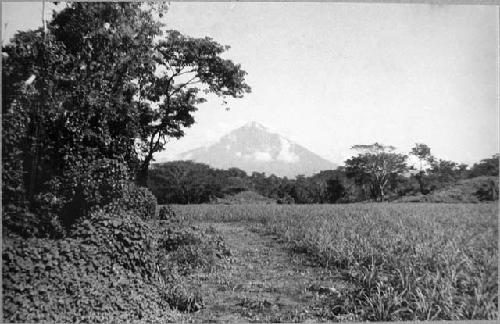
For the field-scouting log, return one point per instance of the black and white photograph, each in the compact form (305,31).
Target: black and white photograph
(250,162)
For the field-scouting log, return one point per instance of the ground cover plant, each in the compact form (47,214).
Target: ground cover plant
(404,261)
(112,267)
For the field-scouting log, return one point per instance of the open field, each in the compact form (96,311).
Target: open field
(395,261)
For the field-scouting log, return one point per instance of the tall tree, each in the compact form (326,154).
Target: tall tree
(376,164)
(187,68)
(106,81)
(423,153)
(486,167)
(74,83)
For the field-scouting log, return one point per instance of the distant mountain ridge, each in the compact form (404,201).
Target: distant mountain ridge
(253,147)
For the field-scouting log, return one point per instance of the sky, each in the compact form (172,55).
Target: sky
(332,75)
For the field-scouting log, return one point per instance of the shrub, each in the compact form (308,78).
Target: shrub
(104,273)
(183,299)
(84,187)
(471,190)
(14,122)
(166,213)
(114,267)
(140,200)
(44,222)
(124,238)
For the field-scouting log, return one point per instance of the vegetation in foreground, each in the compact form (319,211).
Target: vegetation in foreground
(114,267)
(83,112)
(405,261)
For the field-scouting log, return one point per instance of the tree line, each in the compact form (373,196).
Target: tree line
(377,173)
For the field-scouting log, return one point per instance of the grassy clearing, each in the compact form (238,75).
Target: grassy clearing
(405,261)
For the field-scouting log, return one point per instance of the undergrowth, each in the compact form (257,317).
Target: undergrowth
(113,267)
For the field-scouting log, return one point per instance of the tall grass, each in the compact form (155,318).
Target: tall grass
(404,261)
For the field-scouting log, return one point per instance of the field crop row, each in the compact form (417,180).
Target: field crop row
(405,261)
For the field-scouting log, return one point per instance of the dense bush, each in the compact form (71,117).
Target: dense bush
(12,162)
(125,238)
(140,200)
(472,190)
(166,213)
(486,167)
(105,273)
(114,266)
(100,185)
(88,185)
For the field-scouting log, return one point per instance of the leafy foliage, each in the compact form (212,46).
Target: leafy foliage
(474,190)
(185,182)
(103,274)
(487,167)
(376,166)
(87,94)
(188,66)
(114,267)
(80,100)
(126,239)
(138,200)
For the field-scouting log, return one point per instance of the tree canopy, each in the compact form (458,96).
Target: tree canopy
(376,165)
(102,84)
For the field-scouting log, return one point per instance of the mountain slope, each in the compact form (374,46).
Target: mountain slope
(253,147)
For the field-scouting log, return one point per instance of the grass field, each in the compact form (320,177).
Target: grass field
(404,261)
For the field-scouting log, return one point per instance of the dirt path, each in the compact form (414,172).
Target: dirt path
(264,282)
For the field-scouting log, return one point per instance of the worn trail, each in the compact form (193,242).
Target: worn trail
(264,281)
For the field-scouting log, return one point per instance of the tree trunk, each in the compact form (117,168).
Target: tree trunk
(421,184)
(382,194)
(143,173)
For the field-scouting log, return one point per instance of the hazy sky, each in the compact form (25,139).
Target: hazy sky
(332,75)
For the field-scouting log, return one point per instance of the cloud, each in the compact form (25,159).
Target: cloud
(262,156)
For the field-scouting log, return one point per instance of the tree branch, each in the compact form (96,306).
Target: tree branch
(180,87)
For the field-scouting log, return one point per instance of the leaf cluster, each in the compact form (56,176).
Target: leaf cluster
(102,274)
(113,267)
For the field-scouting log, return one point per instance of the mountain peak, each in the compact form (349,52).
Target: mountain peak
(253,147)
(256,125)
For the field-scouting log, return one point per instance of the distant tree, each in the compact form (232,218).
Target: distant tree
(487,167)
(423,153)
(444,171)
(302,191)
(233,180)
(376,165)
(235,172)
(463,171)
(185,182)
(259,183)
(335,190)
